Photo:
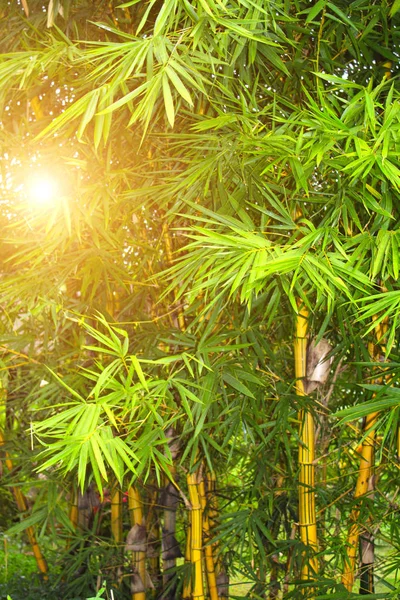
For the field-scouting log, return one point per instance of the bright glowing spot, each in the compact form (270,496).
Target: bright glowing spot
(43,190)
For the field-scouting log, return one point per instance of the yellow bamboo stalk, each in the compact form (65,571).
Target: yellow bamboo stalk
(187,584)
(116,514)
(307,511)
(139,558)
(23,507)
(74,511)
(196,537)
(213,513)
(208,549)
(37,108)
(365,472)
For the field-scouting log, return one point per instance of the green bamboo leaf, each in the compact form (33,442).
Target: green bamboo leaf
(168,101)
(341,15)
(136,364)
(179,86)
(125,99)
(366,408)
(395,7)
(315,10)
(65,385)
(237,385)
(92,100)
(395,256)
(338,80)
(98,458)
(167,9)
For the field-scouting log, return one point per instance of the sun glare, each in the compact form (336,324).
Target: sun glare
(43,190)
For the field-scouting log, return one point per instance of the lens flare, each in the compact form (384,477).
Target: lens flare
(43,191)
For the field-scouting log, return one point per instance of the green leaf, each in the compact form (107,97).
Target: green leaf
(315,10)
(139,372)
(168,101)
(179,86)
(237,385)
(395,7)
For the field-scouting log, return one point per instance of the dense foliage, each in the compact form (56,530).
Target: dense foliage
(217,164)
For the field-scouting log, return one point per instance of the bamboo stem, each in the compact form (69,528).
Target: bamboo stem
(73,511)
(364,478)
(187,584)
(139,558)
(307,511)
(196,537)
(364,474)
(116,514)
(222,577)
(213,514)
(23,507)
(153,543)
(208,548)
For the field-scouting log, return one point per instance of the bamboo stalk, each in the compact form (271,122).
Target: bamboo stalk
(196,537)
(139,557)
(116,514)
(222,578)
(364,484)
(153,543)
(23,507)
(73,511)
(187,584)
(169,500)
(307,512)
(73,515)
(190,534)
(212,516)
(208,548)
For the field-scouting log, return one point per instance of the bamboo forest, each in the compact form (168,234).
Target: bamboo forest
(200,299)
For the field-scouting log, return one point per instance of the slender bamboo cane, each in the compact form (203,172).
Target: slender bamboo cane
(189,559)
(208,548)
(23,507)
(307,512)
(139,557)
(116,514)
(364,483)
(74,511)
(153,543)
(73,515)
(187,584)
(222,577)
(170,547)
(196,537)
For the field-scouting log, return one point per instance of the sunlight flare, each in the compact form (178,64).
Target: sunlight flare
(43,190)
